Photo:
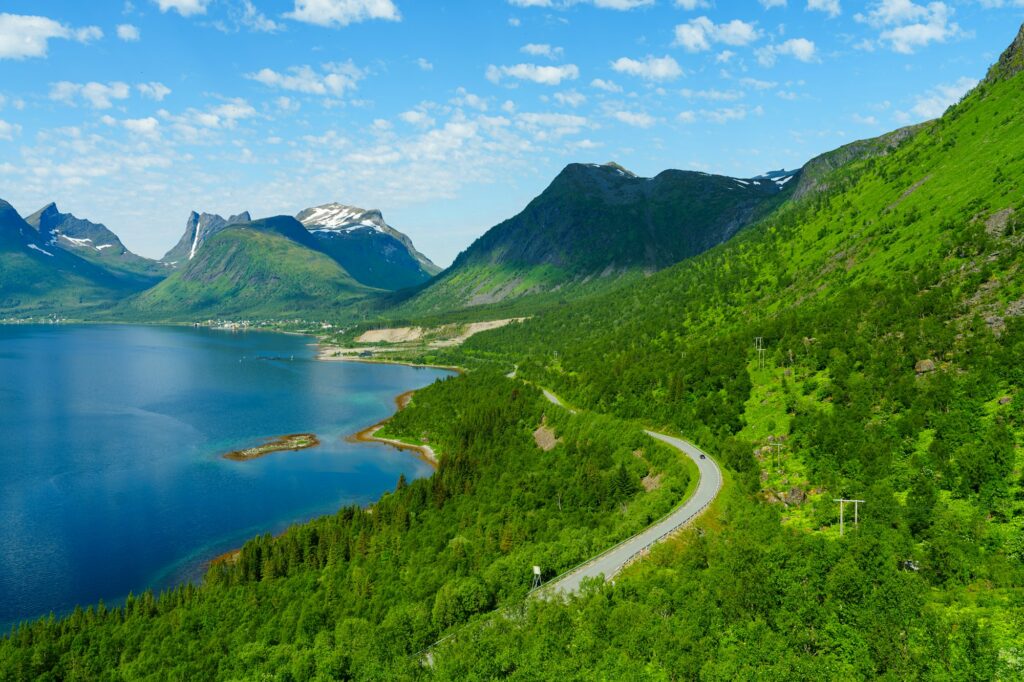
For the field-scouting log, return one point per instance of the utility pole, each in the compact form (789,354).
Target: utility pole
(536,578)
(856,512)
(759,347)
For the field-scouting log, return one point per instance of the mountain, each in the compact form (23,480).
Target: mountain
(198,229)
(595,223)
(268,268)
(38,277)
(372,251)
(95,243)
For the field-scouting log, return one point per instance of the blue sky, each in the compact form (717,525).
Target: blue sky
(449,116)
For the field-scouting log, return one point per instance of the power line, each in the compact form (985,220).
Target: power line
(856,512)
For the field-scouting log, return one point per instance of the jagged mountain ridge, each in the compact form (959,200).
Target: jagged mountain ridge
(198,229)
(374,253)
(93,242)
(37,276)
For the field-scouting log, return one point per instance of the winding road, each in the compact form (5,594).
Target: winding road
(610,562)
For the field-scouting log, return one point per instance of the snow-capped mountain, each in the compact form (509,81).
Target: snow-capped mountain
(198,228)
(375,253)
(91,241)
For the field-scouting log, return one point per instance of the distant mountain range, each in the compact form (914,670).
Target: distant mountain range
(58,263)
(594,227)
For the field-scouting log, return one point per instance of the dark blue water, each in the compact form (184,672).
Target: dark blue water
(111,475)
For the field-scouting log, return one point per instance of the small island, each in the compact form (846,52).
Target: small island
(296,441)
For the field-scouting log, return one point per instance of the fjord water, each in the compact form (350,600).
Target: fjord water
(111,475)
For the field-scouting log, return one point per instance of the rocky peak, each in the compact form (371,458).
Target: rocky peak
(1010,63)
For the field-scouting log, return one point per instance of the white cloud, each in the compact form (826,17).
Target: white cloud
(637,119)
(719,116)
(690,5)
(417,117)
(542,50)
(252,18)
(335,79)
(829,7)
(548,126)
(603,4)
(287,104)
(8,130)
(98,95)
(757,84)
(570,98)
(935,102)
(906,26)
(768,4)
(799,48)
(343,12)
(185,8)
(155,91)
(424,64)
(607,86)
(652,68)
(464,98)
(697,35)
(712,94)
(865,120)
(147,127)
(622,4)
(24,36)
(544,75)
(128,33)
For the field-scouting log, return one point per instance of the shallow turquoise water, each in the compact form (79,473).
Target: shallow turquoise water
(111,476)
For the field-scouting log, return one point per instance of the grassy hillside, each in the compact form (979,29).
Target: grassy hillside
(892,314)
(264,269)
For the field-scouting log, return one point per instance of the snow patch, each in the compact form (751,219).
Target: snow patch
(103,246)
(78,242)
(33,246)
(781,182)
(340,218)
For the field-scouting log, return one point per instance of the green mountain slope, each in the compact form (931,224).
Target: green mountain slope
(595,224)
(266,268)
(39,278)
(97,244)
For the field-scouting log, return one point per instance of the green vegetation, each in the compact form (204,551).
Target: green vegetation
(359,593)
(295,441)
(263,269)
